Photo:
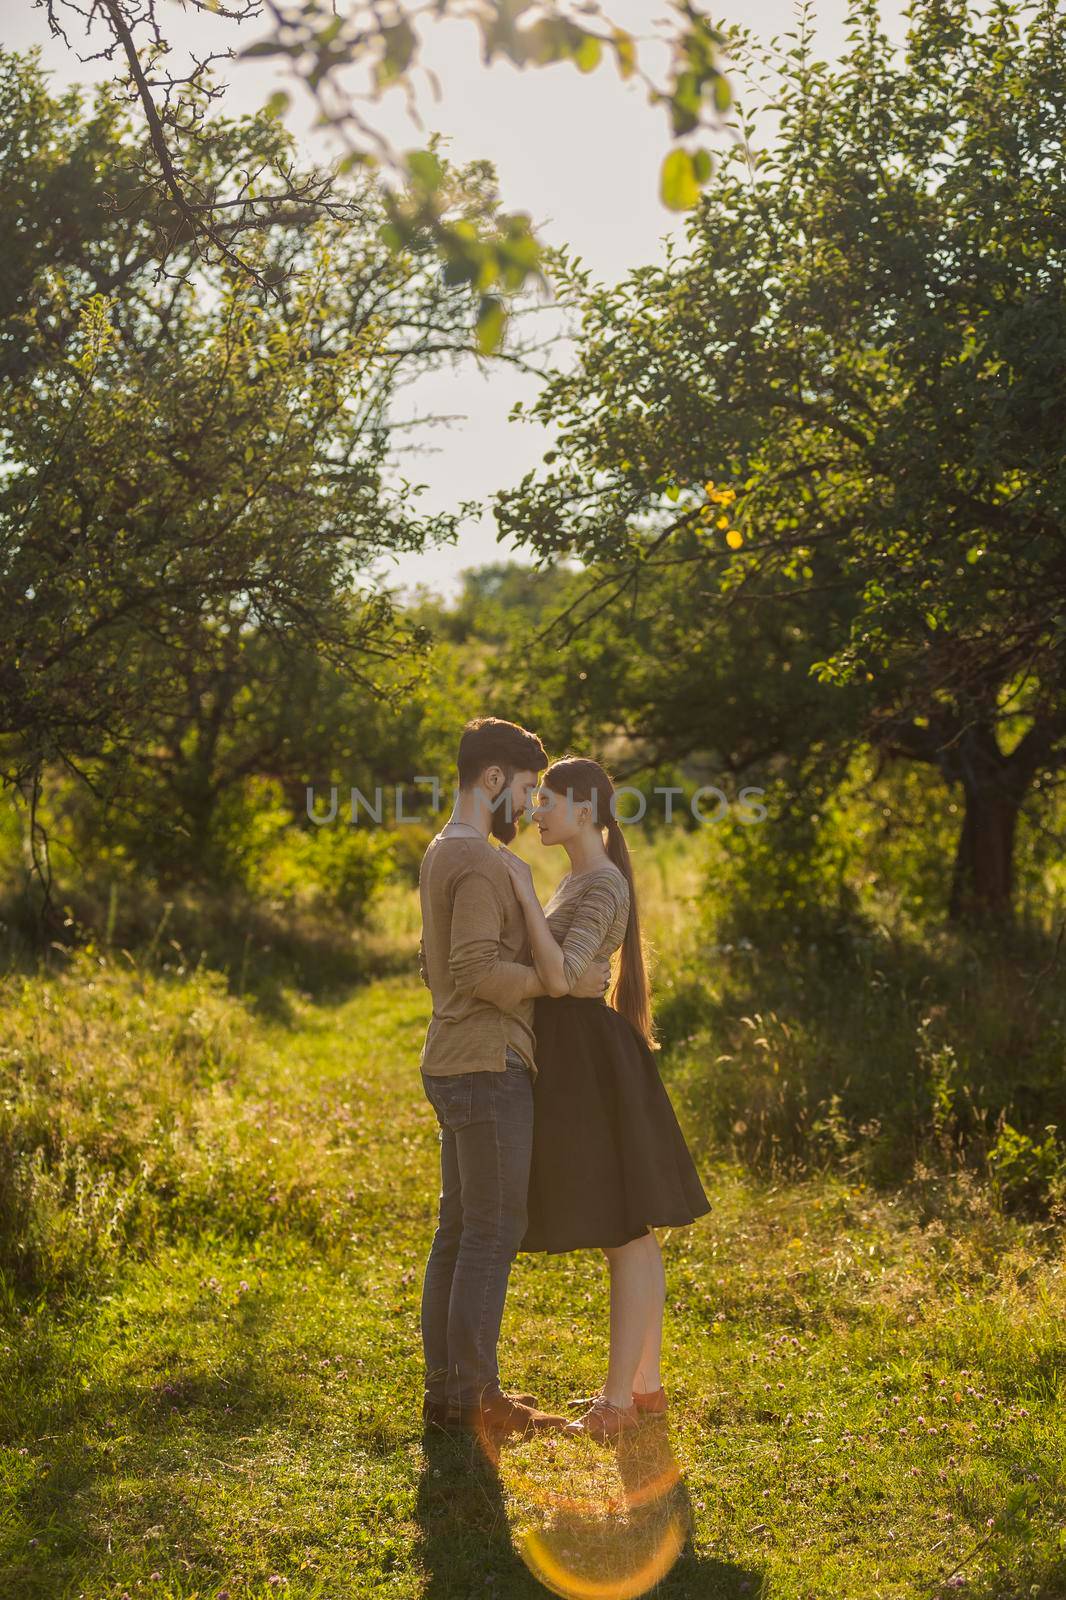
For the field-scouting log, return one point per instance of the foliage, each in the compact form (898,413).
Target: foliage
(841,405)
(1024,1170)
(196,488)
(317,44)
(858,1047)
(497,600)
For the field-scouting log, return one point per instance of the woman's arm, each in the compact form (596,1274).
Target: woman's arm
(602,898)
(561,967)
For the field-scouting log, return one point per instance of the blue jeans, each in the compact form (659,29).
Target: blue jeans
(486,1141)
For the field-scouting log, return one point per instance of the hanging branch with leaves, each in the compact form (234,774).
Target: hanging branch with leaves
(383,40)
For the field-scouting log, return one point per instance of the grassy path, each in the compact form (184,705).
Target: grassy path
(868,1390)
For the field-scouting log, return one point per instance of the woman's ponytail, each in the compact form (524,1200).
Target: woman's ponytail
(631,994)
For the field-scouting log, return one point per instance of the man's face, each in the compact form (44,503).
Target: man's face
(510,801)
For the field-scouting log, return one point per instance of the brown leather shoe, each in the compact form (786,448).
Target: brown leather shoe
(603,1421)
(653,1404)
(434,1413)
(500,1414)
(437,1412)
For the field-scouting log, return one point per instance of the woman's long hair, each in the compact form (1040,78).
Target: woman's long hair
(583,779)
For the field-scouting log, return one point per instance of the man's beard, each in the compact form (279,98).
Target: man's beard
(502,827)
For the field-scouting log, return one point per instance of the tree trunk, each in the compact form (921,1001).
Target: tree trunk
(962,743)
(982,885)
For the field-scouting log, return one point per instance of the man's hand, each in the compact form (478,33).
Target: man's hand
(593,982)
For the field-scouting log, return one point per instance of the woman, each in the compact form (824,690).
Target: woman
(609,1159)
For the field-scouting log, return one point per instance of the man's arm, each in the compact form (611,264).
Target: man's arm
(474,960)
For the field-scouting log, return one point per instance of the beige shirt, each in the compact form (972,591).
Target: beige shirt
(474,958)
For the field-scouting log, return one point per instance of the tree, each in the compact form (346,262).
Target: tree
(256,723)
(494,600)
(194,487)
(846,396)
(71,169)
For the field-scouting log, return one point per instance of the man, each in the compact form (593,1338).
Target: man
(477,1071)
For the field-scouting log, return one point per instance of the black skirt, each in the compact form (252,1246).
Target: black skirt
(609,1158)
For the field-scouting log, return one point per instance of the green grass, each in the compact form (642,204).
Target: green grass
(210,1366)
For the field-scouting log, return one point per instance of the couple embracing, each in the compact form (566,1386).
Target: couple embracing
(556,1131)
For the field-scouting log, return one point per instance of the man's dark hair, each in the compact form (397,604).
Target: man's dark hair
(492,742)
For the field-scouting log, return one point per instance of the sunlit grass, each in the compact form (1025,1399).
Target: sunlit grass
(211,1365)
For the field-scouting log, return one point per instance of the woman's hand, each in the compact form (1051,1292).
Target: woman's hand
(594,982)
(521,876)
(545,949)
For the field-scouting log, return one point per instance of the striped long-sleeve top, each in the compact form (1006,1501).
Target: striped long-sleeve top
(588,915)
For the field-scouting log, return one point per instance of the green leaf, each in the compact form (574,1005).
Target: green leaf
(491,321)
(460,271)
(356,158)
(678,185)
(488,267)
(587,55)
(425,169)
(546,41)
(262,47)
(626,53)
(278,104)
(400,44)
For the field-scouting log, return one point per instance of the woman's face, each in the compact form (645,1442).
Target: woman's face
(559,817)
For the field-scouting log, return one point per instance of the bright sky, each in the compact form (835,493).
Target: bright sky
(580,153)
